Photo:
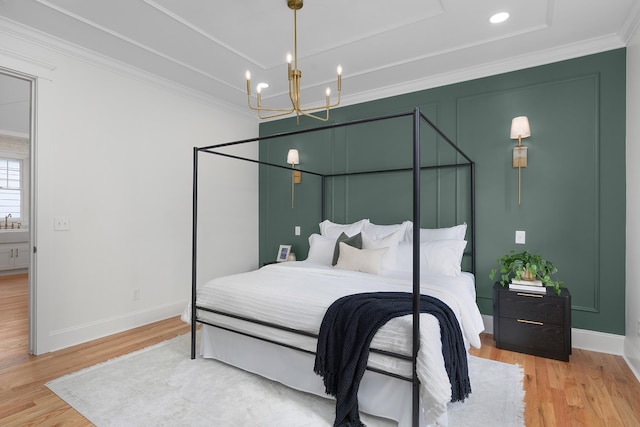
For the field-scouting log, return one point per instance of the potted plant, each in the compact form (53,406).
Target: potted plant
(526,266)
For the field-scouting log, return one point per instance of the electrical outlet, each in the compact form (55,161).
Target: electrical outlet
(297,230)
(136,295)
(61,223)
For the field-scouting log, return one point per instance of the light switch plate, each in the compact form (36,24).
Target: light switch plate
(520,237)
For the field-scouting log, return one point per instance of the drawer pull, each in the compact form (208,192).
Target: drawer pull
(531,322)
(522,294)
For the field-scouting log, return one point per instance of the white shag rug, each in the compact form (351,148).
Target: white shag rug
(162,386)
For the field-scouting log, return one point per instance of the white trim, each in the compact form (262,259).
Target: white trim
(632,357)
(597,341)
(68,337)
(488,323)
(534,59)
(104,62)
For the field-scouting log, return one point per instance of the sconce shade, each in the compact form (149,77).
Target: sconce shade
(293,158)
(520,127)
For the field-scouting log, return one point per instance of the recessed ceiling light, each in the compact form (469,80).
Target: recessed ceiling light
(499,17)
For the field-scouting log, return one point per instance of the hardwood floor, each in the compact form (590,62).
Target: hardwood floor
(593,389)
(24,399)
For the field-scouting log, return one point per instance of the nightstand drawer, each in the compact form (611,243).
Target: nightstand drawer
(545,340)
(531,306)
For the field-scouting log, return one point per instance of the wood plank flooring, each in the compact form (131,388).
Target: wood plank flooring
(593,389)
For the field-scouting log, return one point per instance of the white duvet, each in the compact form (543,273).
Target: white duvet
(297,294)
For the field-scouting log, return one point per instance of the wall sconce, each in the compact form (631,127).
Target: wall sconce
(520,129)
(293,158)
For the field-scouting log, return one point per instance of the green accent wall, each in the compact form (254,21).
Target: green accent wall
(573,189)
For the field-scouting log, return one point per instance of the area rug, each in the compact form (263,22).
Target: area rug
(162,386)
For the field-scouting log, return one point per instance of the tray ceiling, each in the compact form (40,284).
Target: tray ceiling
(385,47)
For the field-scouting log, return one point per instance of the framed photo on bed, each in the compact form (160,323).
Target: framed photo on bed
(283,253)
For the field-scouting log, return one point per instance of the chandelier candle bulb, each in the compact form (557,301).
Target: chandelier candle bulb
(248,76)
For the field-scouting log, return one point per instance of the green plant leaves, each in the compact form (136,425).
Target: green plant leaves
(514,264)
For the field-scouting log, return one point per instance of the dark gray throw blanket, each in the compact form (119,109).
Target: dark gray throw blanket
(347,330)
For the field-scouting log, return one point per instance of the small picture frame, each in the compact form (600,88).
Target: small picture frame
(283,253)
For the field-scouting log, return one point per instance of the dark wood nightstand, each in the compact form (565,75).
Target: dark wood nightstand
(532,323)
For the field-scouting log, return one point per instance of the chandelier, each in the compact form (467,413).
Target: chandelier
(294,75)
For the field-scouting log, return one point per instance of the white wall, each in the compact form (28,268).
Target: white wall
(632,339)
(114,154)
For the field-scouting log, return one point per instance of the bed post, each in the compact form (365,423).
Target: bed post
(194,252)
(473,217)
(323,215)
(415,407)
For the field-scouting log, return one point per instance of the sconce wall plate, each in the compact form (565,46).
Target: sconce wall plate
(520,157)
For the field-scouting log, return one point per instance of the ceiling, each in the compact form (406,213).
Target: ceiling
(387,47)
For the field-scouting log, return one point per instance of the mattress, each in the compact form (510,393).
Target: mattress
(297,294)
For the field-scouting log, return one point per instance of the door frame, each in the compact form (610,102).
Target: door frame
(32,287)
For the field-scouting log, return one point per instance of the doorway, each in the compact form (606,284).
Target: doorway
(17,107)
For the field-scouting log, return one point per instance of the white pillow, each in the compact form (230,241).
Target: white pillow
(442,257)
(390,259)
(447,233)
(331,229)
(321,249)
(364,260)
(404,259)
(379,231)
(438,257)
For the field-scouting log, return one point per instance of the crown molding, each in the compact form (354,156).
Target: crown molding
(521,62)
(631,24)
(62,47)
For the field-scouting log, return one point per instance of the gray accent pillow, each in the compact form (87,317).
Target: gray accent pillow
(354,241)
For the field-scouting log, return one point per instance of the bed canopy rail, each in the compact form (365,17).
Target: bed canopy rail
(417,118)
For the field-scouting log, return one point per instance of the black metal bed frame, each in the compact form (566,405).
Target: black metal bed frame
(416,168)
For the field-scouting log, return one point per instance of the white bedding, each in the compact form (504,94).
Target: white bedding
(297,294)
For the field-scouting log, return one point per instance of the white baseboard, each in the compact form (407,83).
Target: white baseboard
(583,339)
(632,357)
(68,337)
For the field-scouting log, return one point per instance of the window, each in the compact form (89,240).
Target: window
(10,187)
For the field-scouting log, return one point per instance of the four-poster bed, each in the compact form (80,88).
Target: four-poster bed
(267,321)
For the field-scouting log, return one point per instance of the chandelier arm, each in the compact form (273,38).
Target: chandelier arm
(323,107)
(284,111)
(323,119)
(270,116)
